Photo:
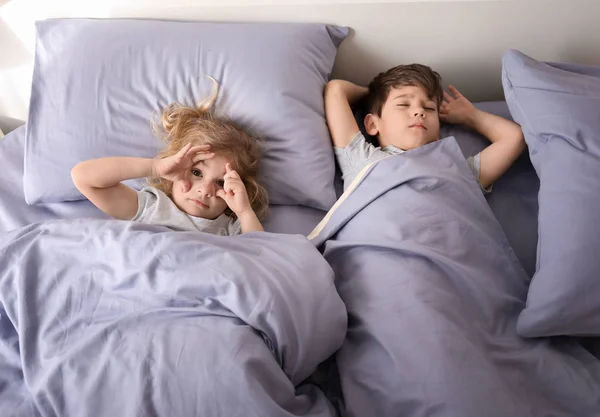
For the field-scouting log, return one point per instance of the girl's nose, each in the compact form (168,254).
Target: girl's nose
(207,190)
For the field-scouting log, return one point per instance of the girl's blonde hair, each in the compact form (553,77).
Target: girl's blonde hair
(180,125)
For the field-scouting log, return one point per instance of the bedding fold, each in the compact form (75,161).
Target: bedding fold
(110,318)
(433,291)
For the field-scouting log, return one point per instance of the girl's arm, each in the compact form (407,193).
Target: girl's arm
(100,181)
(250,223)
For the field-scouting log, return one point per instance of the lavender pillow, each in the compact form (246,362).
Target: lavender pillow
(97,83)
(557,106)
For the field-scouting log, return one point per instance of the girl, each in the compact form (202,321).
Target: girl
(205,180)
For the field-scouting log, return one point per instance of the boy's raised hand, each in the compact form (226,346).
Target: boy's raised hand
(456,108)
(234,192)
(174,167)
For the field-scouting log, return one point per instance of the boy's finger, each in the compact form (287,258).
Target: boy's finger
(448,97)
(221,194)
(227,167)
(454,91)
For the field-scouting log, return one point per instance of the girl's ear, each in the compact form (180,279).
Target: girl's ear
(371,122)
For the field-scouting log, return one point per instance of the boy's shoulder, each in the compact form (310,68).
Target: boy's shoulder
(358,154)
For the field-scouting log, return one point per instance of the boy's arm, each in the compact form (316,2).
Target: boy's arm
(506,136)
(100,181)
(507,144)
(339,95)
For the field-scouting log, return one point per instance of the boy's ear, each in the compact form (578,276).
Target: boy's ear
(371,125)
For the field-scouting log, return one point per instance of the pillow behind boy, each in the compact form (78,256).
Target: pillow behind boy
(97,83)
(558,106)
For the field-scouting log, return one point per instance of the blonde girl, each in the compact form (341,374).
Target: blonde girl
(205,179)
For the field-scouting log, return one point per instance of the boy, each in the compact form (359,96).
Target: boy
(405,105)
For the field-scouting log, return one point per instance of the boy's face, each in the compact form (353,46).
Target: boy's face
(409,119)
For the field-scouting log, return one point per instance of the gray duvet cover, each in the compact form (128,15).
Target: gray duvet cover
(112,318)
(433,291)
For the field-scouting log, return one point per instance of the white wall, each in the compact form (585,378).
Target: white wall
(463,40)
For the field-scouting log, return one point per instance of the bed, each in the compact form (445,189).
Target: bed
(342,307)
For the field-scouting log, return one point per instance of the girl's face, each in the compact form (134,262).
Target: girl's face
(195,194)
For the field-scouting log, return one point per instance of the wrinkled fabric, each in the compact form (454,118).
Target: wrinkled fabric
(433,291)
(113,318)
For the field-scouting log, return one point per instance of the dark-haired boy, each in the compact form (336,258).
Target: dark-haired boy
(405,105)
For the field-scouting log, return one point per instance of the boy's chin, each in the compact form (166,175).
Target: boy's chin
(417,143)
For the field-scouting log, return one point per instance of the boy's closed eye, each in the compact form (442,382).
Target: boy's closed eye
(427,106)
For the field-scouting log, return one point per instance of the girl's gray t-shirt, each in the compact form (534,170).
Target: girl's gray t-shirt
(155,207)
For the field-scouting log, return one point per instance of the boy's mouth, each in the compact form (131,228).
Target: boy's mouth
(418,125)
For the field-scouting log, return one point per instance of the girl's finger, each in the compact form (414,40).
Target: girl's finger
(199,148)
(202,156)
(448,97)
(232,175)
(227,167)
(185,186)
(183,151)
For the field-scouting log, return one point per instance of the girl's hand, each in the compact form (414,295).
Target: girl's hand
(234,193)
(457,109)
(174,168)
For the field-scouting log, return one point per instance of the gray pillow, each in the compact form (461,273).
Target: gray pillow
(97,83)
(557,106)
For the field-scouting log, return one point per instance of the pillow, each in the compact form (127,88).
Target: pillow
(558,109)
(97,84)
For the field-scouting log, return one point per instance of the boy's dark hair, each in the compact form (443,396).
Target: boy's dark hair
(403,75)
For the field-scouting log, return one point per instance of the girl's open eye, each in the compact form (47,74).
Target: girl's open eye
(196,172)
(220,183)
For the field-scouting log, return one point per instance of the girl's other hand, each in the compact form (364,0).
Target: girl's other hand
(234,193)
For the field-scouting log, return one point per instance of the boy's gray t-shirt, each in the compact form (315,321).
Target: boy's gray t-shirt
(359,153)
(155,207)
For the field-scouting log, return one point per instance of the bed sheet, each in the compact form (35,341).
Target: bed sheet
(14,212)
